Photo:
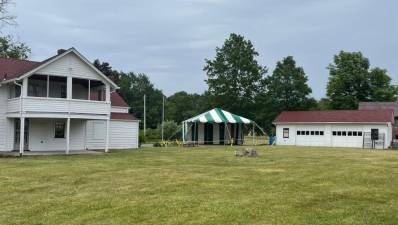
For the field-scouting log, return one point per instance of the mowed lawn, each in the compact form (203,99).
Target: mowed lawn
(205,185)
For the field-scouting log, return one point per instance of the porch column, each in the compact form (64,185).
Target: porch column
(21,136)
(67,135)
(107,136)
(69,84)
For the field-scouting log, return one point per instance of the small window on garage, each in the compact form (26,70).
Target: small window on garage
(302,132)
(285,132)
(349,133)
(344,133)
(316,132)
(338,133)
(307,133)
(298,132)
(59,131)
(354,133)
(312,132)
(359,133)
(321,133)
(334,133)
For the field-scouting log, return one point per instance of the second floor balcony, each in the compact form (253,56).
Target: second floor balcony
(43,94)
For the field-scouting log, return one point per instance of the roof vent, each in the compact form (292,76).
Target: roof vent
(60,51)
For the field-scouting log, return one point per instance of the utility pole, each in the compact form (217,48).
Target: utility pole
(144,115)
(163,120)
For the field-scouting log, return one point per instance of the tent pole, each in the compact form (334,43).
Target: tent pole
(253,133)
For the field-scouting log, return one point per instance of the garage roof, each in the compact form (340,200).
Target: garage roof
(336,116)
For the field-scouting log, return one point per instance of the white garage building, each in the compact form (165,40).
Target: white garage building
(335,128)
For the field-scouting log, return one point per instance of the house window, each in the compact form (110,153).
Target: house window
(63,91)
(59,130)
(285,132)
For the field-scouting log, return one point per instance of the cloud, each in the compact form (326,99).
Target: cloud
(169,40)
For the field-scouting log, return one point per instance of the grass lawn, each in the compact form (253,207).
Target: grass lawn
(205,185)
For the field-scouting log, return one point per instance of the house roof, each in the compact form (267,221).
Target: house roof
(117,100)
(336,116)
(15,68)
(122,116)
(379,105)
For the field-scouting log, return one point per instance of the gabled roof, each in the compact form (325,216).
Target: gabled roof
(336,116)
(15,69)
(218,115)
(117,100)
(379,105)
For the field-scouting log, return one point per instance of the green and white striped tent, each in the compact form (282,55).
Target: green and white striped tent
(215,126)
(218,115)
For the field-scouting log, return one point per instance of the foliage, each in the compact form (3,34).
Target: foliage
(234,75)
(5,17)
(286,90)
(153,134)
(171,130)
(133,87)
(351,81)
(181,106)
(106,69)
(142,138)
(9,48)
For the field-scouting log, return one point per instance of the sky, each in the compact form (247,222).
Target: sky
(170,40)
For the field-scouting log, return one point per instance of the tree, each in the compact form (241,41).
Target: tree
(234,76)
(171,130)
(380,86)
(181,106)
(10,48)
(286,90)
(106,69)
(351,81)
(5,17)
(132,89)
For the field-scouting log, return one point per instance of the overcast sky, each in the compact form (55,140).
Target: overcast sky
(169,40)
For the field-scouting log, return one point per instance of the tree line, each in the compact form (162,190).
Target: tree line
(237,82)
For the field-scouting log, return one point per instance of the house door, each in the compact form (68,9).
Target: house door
(208,133)
(17,131)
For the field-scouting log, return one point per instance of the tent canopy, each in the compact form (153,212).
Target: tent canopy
(218,115)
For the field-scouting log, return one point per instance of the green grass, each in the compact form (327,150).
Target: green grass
(284,185)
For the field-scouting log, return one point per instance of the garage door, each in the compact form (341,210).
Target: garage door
(347,138)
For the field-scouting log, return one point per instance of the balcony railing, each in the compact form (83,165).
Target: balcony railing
(56,105)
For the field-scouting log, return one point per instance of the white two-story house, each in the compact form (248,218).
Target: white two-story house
(63,103)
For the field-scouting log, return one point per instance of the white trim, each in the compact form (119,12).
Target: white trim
(330,122)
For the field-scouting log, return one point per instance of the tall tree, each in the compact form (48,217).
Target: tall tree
(381,88)
(9,48)
(348,80)
(351,81)
(132,88)
(234,75)
(5,17)
(106,69)
(181,106)
(286,90)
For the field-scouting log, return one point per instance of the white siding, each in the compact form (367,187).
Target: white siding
(70,64)
(41,135)
(3,120)
(122,134)
(116,109)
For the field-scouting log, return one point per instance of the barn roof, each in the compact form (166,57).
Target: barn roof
(379,105)
(336,116)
